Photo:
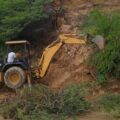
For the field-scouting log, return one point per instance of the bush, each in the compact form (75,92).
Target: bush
(108,25)
(73,100)
(41,102)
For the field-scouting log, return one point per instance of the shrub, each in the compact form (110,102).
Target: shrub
(73,100)
(41,102)
(108,25)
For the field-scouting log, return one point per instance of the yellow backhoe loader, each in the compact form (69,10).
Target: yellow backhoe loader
(16,73)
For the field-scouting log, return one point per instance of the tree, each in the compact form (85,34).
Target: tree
(16,14)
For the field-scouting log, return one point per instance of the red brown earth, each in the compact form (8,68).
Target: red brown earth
(70,63)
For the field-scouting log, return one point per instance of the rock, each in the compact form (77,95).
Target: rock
(99,41)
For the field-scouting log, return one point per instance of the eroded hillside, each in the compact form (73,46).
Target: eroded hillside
(70,63)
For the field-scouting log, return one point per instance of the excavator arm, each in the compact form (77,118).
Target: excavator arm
(51,50)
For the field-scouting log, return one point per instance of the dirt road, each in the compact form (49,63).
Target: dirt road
(1,118)
(89,116)
(95,116)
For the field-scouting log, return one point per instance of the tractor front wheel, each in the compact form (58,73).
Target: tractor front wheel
(14,77)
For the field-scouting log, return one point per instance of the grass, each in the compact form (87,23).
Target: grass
(107,63)
(41,103)
(110,103)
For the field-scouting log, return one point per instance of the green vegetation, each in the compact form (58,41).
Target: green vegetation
(16,14)
(107,62)
(111,103)
(42,103)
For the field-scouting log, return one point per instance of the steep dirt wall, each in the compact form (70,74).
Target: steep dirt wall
(78,9)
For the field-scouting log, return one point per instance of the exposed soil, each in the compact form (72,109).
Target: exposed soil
(1,118)
(70,63)
(69,66)
(95,116)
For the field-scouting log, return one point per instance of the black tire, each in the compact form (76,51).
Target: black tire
(11,80)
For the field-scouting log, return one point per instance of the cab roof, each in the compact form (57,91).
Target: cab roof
(17,42)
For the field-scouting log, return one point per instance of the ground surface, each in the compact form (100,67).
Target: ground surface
(88,116)
(70,63)
(1,118)
(95,116)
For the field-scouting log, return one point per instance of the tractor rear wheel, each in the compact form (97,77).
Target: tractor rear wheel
(14,77)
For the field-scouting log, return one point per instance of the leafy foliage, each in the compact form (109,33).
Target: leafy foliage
(108,25)
(42,103)
(16,14)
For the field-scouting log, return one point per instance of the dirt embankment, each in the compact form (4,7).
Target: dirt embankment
(70,63)
(69,66)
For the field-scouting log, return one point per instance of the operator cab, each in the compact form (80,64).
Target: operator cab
(22,50)
(15,73)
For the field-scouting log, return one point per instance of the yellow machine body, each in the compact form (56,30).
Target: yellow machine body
(51,50)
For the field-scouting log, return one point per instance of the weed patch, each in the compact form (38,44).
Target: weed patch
(41,102)
(107,62)
(110,103)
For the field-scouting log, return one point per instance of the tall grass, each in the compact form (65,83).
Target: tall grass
(110,103)
(107,25)
(41,104)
